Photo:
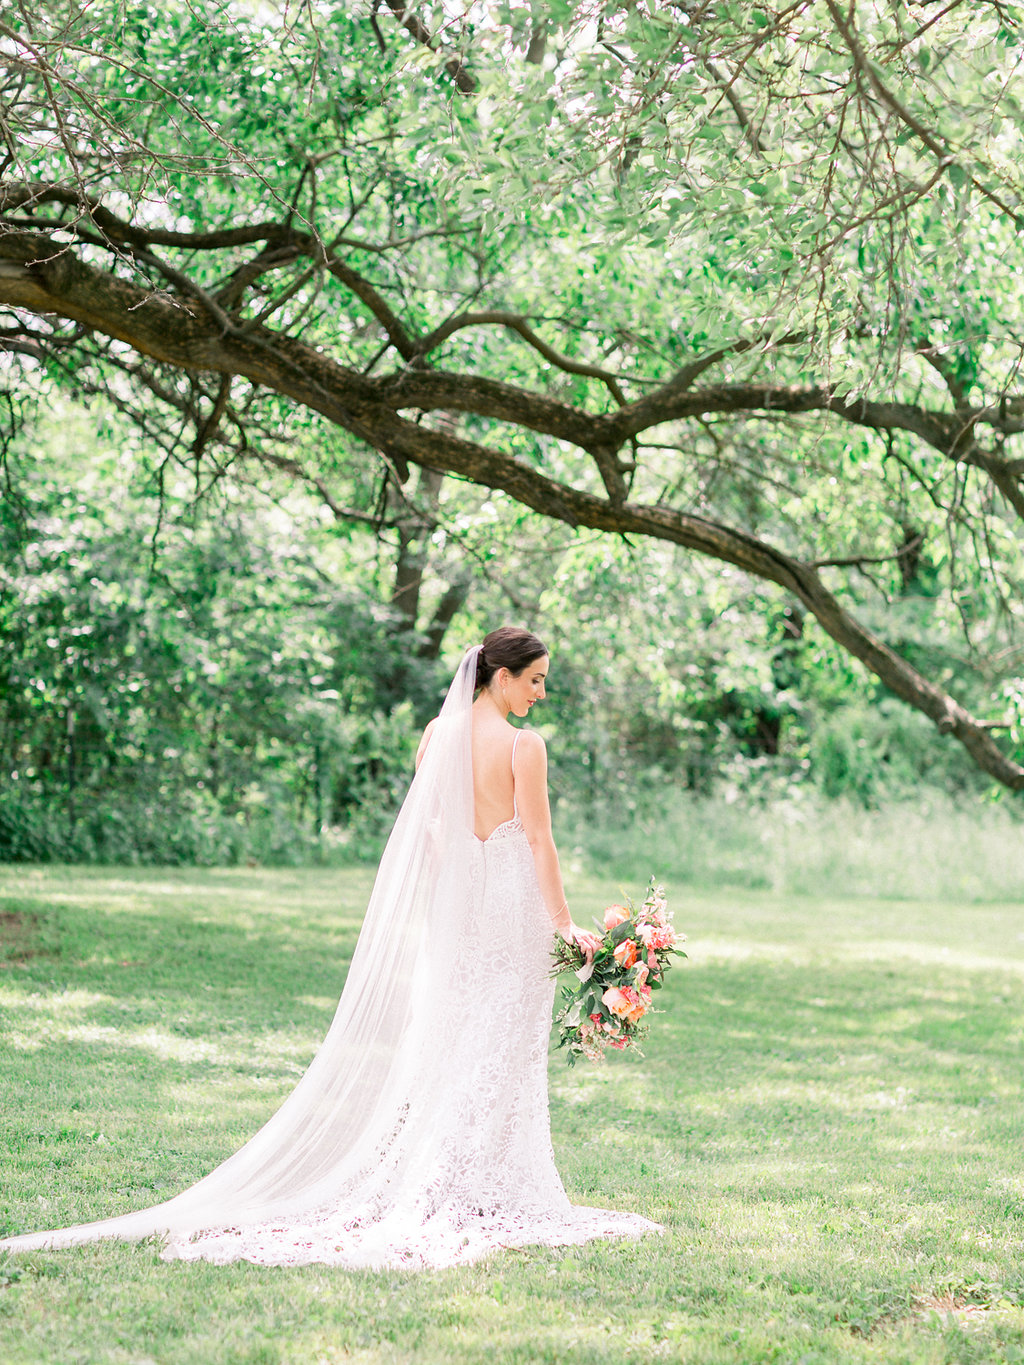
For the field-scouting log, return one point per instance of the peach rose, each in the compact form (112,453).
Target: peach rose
(625,953)
(618,1001)
(614,915)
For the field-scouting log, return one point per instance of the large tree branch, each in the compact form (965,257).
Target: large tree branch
(282,244)
(46,277)
(733,547)
(29,195)
(951,434)
(183,332)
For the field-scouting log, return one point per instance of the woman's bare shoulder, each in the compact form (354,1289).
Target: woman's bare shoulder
(531,746)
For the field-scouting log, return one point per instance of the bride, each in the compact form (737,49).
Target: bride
(419,1135)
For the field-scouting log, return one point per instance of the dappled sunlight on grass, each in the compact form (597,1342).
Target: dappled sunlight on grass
(56,1004)
(325,1003)
(827,1123)
(162,1045)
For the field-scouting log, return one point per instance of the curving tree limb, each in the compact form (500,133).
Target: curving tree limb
(40,275)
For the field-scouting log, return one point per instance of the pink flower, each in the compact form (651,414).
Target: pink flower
(655,909)
(615,914)
(618,1001)
(625,953)
(641,975)
(656,936)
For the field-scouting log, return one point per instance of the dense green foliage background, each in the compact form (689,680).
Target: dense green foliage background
(226,611)
(226,677)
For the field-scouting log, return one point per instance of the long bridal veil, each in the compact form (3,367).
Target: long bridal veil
(336,1137)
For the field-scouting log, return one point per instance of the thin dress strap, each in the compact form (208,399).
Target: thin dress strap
(515,803)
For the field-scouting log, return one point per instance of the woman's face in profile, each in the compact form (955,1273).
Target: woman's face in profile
(521,692)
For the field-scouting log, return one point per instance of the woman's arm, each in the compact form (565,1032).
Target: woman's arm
(424,742)
(531,779)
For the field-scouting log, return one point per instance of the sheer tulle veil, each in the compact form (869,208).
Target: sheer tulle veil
(360,1089)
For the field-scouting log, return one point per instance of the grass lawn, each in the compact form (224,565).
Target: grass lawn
(828,1121)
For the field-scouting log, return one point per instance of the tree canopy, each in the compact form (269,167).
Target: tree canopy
(741,278)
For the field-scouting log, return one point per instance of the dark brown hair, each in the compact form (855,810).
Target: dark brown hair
(507,647)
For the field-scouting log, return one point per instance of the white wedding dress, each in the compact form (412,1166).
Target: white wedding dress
(419,1136)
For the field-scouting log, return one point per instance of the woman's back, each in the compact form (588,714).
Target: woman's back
(493,782)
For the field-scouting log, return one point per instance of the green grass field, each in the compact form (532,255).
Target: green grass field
(828,1121)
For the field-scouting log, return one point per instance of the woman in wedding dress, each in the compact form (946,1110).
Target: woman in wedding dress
(419,1135)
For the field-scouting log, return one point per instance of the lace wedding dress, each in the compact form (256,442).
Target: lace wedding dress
(419,1136)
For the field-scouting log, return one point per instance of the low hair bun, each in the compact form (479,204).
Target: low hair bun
(507,647)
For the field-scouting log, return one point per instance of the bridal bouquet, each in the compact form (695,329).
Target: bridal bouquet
(608,1006)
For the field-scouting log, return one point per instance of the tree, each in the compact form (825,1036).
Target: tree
(741,278)
(183,683)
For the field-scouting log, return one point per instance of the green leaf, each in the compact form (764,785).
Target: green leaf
(957,175)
